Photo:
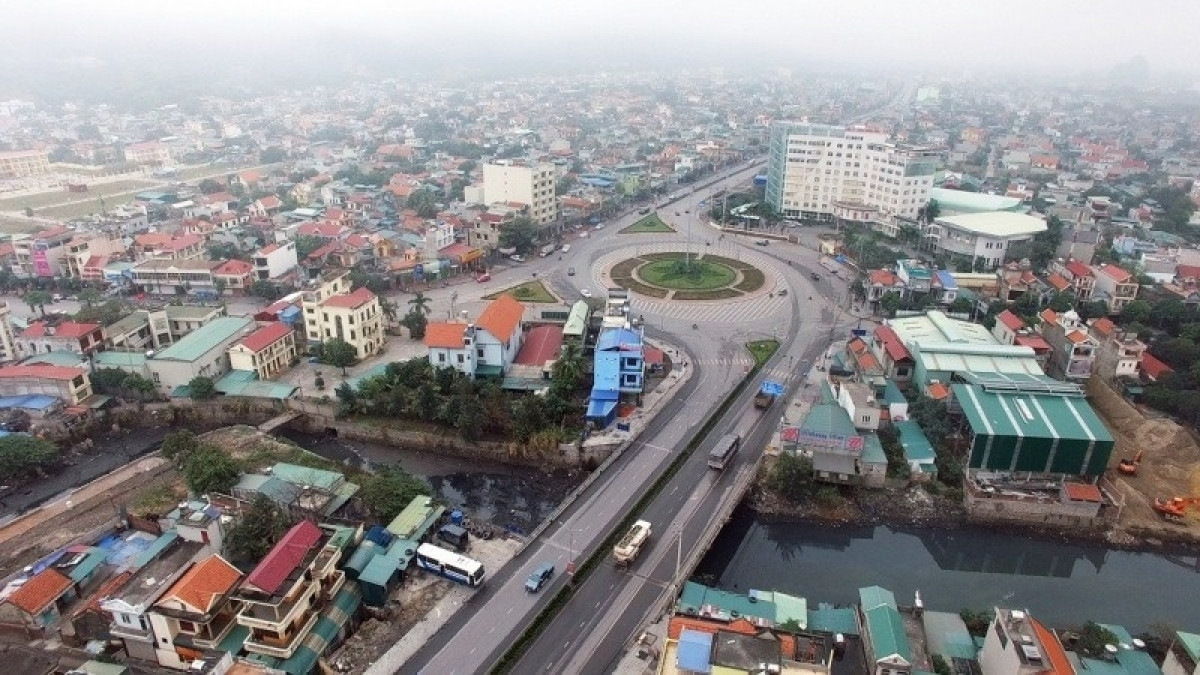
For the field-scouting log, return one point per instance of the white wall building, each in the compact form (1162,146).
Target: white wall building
(983,237)
(275,260)
(822,172)
(201,353)
(532,186)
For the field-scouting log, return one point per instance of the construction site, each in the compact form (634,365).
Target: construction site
(1155,461)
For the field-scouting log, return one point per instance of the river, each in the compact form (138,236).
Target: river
(511,497)
(1061,584)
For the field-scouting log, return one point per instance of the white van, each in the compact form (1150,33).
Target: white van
(566,248)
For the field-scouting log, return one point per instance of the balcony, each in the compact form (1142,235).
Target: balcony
(256,615)
(282,647)
(118,630)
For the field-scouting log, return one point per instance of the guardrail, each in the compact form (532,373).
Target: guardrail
(509,659)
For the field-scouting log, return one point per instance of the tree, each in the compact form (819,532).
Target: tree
(388,309)
(1061,301)
(940,667)
(106,313)
(209,469)
(416,323)
(210,186)
(255,533)
(272,155)
(932,210)
(307,243)
(177,445)
(23,456)
(977,621)
(420,304)
(424,202)
(470,418)
(89,296)
(267,290)
(960,306)
(37,300)
(140,387)
(792,477)
(1093,637)
(386,493)
(1093,310)
(338,353)
(568,367)
(202,388)
(518,233)
(219,285)
(889,302)
(1137,311)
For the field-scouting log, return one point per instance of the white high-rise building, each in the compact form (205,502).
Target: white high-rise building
(823,172)
(530,186)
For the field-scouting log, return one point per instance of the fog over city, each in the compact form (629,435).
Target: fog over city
(47,48)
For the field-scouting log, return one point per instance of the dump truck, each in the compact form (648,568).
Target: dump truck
(626,550)
(763,399)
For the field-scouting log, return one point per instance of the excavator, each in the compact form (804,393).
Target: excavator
(1129,467)
(1175,508)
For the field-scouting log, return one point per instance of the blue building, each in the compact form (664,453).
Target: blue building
(619,368)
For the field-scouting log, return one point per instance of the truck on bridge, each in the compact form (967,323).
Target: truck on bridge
(626,550)
(767,394)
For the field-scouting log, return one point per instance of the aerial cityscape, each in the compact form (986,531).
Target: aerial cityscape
(843,339)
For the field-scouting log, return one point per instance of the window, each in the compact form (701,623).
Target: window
(865,418)
(461,358)
(479,352)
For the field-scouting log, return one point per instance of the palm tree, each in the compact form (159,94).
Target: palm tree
(569,366)
(388,308)
(420,303)
(38,300)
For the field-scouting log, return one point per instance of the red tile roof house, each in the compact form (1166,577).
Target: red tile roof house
(38,603)
(195,614)
(1007,326)
(898,363)
(42,337)
(488,347)
(282,597)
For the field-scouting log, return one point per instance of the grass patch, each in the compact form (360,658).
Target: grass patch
(158,501)
(268,454)
(85,208)
(625,268)
(669,255)
(649,224)
(735,264)
(752,280)
(508,661)
(714,294)
(762,350)
(530,291)
(61,196)
(681,275)
(629,283)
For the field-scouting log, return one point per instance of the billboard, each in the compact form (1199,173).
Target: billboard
(819,439)
(41,264)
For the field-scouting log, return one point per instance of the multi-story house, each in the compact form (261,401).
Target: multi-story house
(1080,276)
(893,356)
(266,352)
(24,163)
(1073,349)
(275,260)
(1120,353)
(982,238)
(8,342)
(882,282)
(151,153)
(46,336)
(485,348)
(41,255)
(1114,286)
(157,246)
(195,614)
(1008,326)
(1017,644)
(233,277)
(821,172)
(330,312)
(175,277)
(529,185)
(281,599)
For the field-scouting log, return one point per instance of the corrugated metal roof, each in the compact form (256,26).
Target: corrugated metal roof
(202,340)
(295,474)
(1029,414)
(415,518)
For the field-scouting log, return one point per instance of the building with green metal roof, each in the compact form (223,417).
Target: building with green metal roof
(416,518)
(887,643)
(773,607)
(918,451)
(200,353)
(831,619)
(577,320)
(953,202)
(1033,428)
(1184,654)
(1128,660)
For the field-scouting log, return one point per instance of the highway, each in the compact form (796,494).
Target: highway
(496,614)
(608,608)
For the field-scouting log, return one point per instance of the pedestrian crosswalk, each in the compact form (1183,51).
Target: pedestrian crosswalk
(759,305)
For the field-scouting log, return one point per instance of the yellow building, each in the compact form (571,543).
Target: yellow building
(24,163)
(72,385)
(267,351)
(330,312)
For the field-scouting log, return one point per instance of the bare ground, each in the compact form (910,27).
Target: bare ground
(415,599)
(1170,465)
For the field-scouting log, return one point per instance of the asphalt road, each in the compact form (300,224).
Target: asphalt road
(607,609)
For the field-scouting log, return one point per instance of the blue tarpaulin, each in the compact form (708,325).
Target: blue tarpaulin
(694,650)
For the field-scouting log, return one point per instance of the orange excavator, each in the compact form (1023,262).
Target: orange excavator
(1129,467)
(1175,508)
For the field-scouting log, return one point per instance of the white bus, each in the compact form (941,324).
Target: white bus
(449,564)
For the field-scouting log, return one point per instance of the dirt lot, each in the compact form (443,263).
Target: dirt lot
(1170,466)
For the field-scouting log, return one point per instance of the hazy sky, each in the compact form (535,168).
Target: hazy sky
(1069,34)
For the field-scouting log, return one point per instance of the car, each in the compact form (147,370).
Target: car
(517,257)
(570,271)
(57,297)
(762,242)
(599,226)
(482,278)
(814,276)
(587,293)
(566,248)
(583,235)
(539,577)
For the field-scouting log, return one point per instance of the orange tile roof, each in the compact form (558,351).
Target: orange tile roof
(43,371)
(884,278)
(938,391)
(266,336)
(1058,281)
(1053,649)
(350,300)
(444,335)
(202,585)
(1116,273)
(235,266)
(42,589)
(1049,316)
(502,317)
(66,329)
(1078,269)
(1104,326)
(1153,368)
(1010,320)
